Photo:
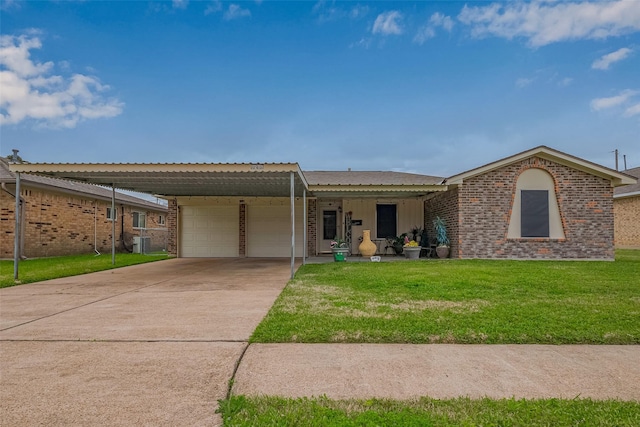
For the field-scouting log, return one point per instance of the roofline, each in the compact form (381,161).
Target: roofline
(408,188)
(625,195)
(617,178)
(142,204)
(153,167)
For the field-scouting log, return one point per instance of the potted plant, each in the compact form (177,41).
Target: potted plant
(411,249)
(442,248)
(339,249)
(398,243)
(416,232)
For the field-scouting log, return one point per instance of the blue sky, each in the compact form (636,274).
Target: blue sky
(426,87)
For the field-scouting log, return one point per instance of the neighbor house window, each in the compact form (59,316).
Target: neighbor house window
(139,220)
(112,214)
(161,219)
(386,221)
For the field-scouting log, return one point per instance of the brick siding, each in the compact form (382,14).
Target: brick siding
(312,219)
(586,209)
(242,250)
(444,205)
(172,225)
(57,224)
(627,222)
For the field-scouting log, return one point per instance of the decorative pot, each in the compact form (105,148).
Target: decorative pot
(412,252)
(442,251)
(340,254)
(367,247)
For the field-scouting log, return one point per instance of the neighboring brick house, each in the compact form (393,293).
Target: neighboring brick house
(626,212)
(61,217)
(538,204)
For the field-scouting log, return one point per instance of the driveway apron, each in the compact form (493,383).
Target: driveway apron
(152,344)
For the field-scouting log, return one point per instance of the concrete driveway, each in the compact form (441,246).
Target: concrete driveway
(152,344)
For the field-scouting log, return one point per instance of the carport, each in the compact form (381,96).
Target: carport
(208,185)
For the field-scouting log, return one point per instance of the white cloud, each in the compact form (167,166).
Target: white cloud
(610,58)
(328,13)
(214,7)
(544,23)
(388,23)
(29,92)
(236,12)
(524,82)
(428,31)
(613,101)
(632,111)
(180,4)
(565,82)
(440,20)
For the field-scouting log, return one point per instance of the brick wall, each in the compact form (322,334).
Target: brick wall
(444,205)
(58,224)
(627,222)
(7,224)
(586,210)
(312,229)
(172,225)
(242,250)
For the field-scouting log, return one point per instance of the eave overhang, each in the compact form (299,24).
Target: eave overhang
(181,179)
(543,152)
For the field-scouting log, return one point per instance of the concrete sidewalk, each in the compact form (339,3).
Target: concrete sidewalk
(404,371)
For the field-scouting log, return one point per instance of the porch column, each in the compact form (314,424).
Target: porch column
(113,224)
(304,229)
(16,231)
(293,225)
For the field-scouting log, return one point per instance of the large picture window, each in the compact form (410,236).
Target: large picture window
(534,211)
(386,221)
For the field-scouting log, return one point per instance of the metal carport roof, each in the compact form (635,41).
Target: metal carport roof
(179,179)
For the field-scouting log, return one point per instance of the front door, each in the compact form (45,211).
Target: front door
(330,222)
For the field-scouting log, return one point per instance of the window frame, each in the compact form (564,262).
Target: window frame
(136,219)
(110,213)
(534,214)
(161,219)
(395,225)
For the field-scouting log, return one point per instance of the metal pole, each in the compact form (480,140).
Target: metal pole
(304,230)
(16,233)
(293,225)
(113,224)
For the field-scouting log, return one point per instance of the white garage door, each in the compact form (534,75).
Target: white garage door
(269,231)
(209,231)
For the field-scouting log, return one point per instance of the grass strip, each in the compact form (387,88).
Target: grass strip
(38,269)
(277,411)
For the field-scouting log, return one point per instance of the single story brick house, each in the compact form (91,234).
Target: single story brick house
(626,213)
(540,203)
(61,217)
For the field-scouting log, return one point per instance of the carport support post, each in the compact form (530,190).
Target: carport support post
(304,229)
(113,224)
(293,224)
(16,232)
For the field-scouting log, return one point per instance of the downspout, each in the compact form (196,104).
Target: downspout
(21,214)
(124,245)
(95,229)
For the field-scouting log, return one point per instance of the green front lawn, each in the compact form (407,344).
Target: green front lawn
(276,411)
(35,270)
(460,301)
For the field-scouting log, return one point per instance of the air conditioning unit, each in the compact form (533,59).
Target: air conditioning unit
(141,245)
